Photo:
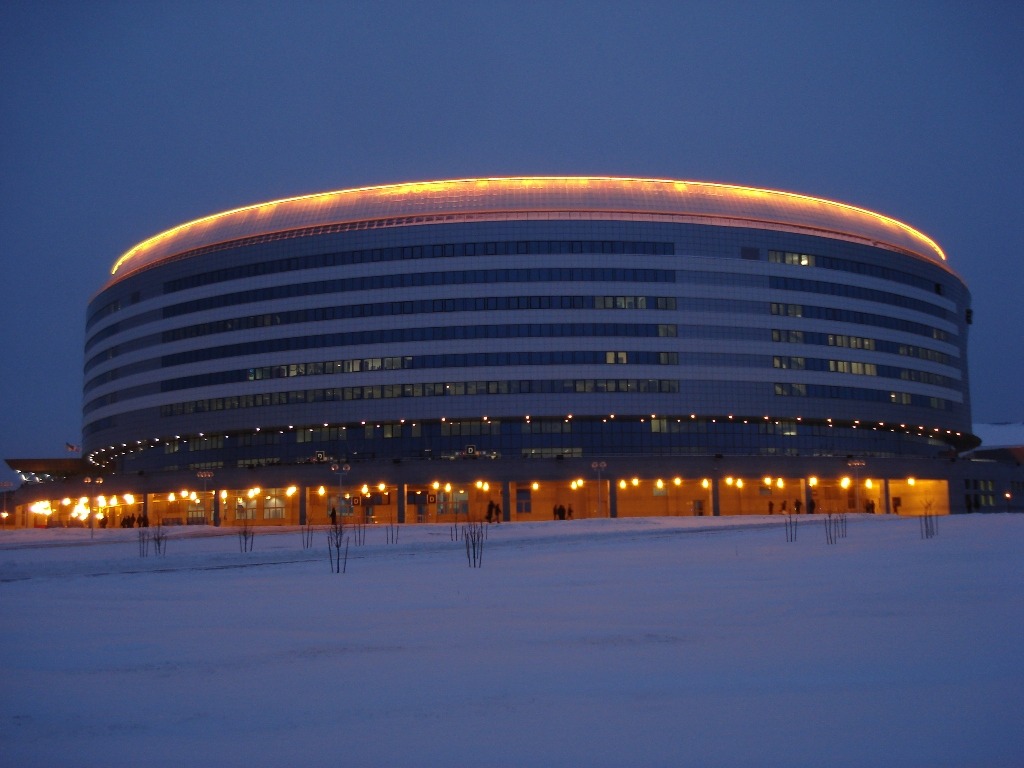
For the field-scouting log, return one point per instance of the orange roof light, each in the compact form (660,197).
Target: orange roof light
(537,196)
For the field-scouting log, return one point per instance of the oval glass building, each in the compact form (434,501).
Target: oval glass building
(584,320)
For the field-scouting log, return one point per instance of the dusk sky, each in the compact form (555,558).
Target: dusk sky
(122,119)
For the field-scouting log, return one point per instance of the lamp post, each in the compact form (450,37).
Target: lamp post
(205,475)
(5,484)
(599,467)
(97,481)
(855,465)
(341,469)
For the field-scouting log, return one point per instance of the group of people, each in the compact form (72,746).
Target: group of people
(493,512)
(797,506)
(561,513)
(131,521)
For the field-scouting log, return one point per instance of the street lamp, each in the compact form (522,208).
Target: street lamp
(341,469)
(599,467)
(205,475)
(97,481)
(4,485)
(855,465)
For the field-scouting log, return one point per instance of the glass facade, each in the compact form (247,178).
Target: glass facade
(585,332)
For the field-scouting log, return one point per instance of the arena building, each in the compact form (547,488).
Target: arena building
(612,346)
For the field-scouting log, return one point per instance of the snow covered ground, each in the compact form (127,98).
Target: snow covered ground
(662,641)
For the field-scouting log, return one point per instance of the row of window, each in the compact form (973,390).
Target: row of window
(434,251)
(856,267)
(504,359)
(377,282)
(494,427)
(437,333)
(861,342)
(859,318)
(379,309)
(439,389)
(422,280)
(858,368)
(470,332)
(552,437)
(858,292)
(789,389)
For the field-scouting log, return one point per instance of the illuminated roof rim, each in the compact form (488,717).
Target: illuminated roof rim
(930,251)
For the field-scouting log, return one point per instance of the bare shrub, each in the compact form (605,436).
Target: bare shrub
(307,533)
(143,542)
(246,535)
(391,530)
(929,520)
(474,534)
(159,537)
(335,538)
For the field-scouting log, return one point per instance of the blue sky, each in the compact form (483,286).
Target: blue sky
(121,119)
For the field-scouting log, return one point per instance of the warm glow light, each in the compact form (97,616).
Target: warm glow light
(365,489)
(739,482)
(689,200)
(128,498)
(171,496)
(780,483)
(447,487)
(705,483)
(65,501)
(911,481)
(767,480)
(321,491)
(436,485)
(677,480)
(812,481)
(730,480)
(635,481)
(868,483)
(622,484)
(535,486)
(223,495)
(660,483)
(381,487)
(844,483)
(290,490)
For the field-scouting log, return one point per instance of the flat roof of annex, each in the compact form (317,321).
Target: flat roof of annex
(531,197)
